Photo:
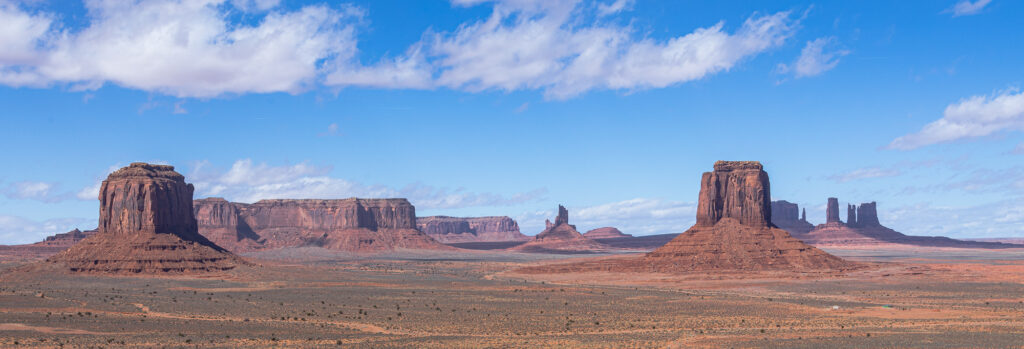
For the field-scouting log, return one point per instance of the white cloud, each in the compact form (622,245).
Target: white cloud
(33,190)
(616,6)
(967,7)
(19,230)
(997,219)
(180,48)
(91,192)
(526,45)
(249,182)
(864,173)
(972,117)
(640,216)
(815,58)
(192,48)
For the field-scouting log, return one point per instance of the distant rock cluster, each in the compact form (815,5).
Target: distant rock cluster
(470,229)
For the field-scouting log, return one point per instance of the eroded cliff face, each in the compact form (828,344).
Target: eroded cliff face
(832,211)
(470,229)
(737,190)
(347,224)
(786,216)
(146,225)
(733,230)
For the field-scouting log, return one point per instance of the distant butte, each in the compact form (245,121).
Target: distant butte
(862,228)
(561,236)
(354,225)
(733,233)
(606,233)
(146,226)
(470,229)
(786,216)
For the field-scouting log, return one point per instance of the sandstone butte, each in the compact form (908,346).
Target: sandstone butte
(561,236)
(787,216)
(862,228)
(606,233)
(734,229)
(733,233)
(470,229)
(146,225)
(354,225)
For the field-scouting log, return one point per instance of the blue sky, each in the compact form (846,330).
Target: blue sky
(469,107)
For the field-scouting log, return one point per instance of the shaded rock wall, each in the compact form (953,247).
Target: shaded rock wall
(735,189)
(832,211)
(470,229)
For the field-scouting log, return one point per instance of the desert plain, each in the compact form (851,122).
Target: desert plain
(314,297)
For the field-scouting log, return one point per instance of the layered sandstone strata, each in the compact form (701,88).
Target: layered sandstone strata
(470,229)
(734,230)
(146,225)
(357,225)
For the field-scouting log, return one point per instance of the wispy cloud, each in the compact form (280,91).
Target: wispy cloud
(968,7)
(34,190)
(864,173)
(817,56)
(19,230)
(247,181)
(194,49)
(972,117)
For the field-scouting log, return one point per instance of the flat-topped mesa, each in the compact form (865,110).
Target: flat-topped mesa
(851,215)
(832,211)
(735,189)
(146,225)
(470,229)
(354,224)
(867,215)
(371,214)
(606,233)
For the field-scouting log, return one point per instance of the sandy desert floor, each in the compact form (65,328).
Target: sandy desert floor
(316,298)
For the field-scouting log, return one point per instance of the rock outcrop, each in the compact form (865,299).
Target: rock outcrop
(356,225)
(606,233)
(786,216)
(832,211)
(66,240)
(737,190)
(470,229)
(863,229)
(561,236)
(146,225)
(734,230)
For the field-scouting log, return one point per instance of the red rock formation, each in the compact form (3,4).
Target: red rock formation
(785,216)
(735,189)
(733,230)
(867,231)
(66,240)
(470,229)
(561,237)
(358,225)
(606,233)
(832,211)
(851,215)
(146,226)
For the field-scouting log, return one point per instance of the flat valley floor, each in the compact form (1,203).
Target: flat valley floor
(308,297)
